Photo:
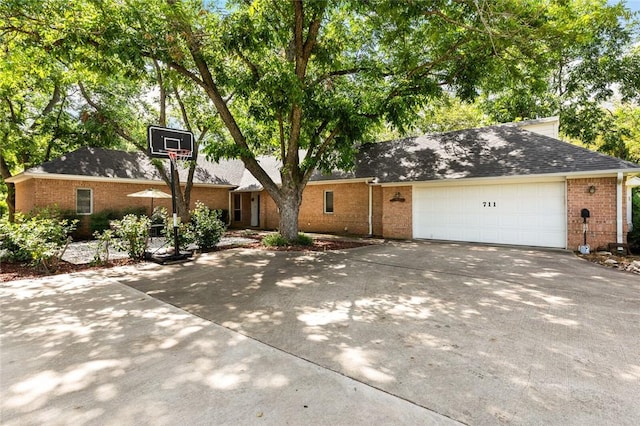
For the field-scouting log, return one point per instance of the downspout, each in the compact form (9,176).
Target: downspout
(370,209)
(629,209)
(619,212)
(372,182)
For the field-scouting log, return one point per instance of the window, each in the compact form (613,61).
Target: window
(84,201)
(328,201)
(237,207)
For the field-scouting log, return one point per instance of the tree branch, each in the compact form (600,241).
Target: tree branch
(315,158)
(55,98)
(163,94)
(211,89)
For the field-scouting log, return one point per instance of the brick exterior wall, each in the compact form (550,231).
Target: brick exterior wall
(106,195)
(397,216)
(391,219)
(26,195)
(602,224)
(350,209)
(350,215)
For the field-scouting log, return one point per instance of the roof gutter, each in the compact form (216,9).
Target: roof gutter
(547,176)
(21,177)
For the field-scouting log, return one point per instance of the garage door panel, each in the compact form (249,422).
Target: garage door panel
(522,214)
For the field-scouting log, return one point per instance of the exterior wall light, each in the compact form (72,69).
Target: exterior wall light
(592,189)
(397,197)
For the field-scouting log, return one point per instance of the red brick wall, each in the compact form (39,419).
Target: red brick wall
(350,209)
(602,224)
(377,210)
(106,195)
(397,216)
(214,198)
(25,196)
(269,218)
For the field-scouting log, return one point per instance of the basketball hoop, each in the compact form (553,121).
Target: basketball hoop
(178,155)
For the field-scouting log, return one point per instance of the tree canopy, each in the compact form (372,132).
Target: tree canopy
(589,77)
(308,81)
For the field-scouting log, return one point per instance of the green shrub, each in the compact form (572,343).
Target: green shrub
(207,226)
(39,239)
(277,240)
(304,240)
(159,215)
(10,249)
(274,240)
(138,211)
(185,232)
(104,241)
(132,233)
(100,221)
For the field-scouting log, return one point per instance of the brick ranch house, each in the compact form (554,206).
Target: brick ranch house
(514,184)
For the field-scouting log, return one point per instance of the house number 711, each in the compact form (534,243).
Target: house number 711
(488,204)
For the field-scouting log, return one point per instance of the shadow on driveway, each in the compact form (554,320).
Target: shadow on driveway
(480,334)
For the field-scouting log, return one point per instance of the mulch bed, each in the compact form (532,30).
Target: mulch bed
(18,271)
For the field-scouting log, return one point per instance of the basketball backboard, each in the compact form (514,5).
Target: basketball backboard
(163,140)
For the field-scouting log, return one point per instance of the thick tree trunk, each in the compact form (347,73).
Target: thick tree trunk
(289,205)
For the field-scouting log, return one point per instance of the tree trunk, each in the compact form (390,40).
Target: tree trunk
(11,201)
(11,188)
(289,205)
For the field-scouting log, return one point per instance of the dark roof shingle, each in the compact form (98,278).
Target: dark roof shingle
(493,151)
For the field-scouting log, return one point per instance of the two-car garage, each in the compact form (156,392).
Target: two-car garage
(531,214)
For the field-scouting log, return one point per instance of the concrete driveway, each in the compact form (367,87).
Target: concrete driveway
(438,332)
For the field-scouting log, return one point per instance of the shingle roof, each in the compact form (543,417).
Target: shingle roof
(105,163)
(493,151)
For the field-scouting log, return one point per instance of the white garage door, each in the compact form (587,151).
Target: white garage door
(531,214)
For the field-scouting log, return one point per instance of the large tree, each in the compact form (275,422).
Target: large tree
(39,101)
(588,73)
(307,80)
(126,104)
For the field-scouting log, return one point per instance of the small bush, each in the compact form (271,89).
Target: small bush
(104,241)
(132,233)
(38,239)
(138,211)
(277,240)
(304,240)
(207,226)
(100,221)
(185,232)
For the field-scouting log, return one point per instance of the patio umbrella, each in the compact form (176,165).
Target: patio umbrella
(150,193)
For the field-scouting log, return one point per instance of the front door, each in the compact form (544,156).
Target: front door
(255,209)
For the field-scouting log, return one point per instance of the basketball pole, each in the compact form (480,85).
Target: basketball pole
(176,246)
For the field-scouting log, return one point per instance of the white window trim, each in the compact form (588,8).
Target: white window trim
(324,202)
(90,201)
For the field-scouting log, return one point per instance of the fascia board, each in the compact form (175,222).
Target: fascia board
(548,177)
(53,176)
